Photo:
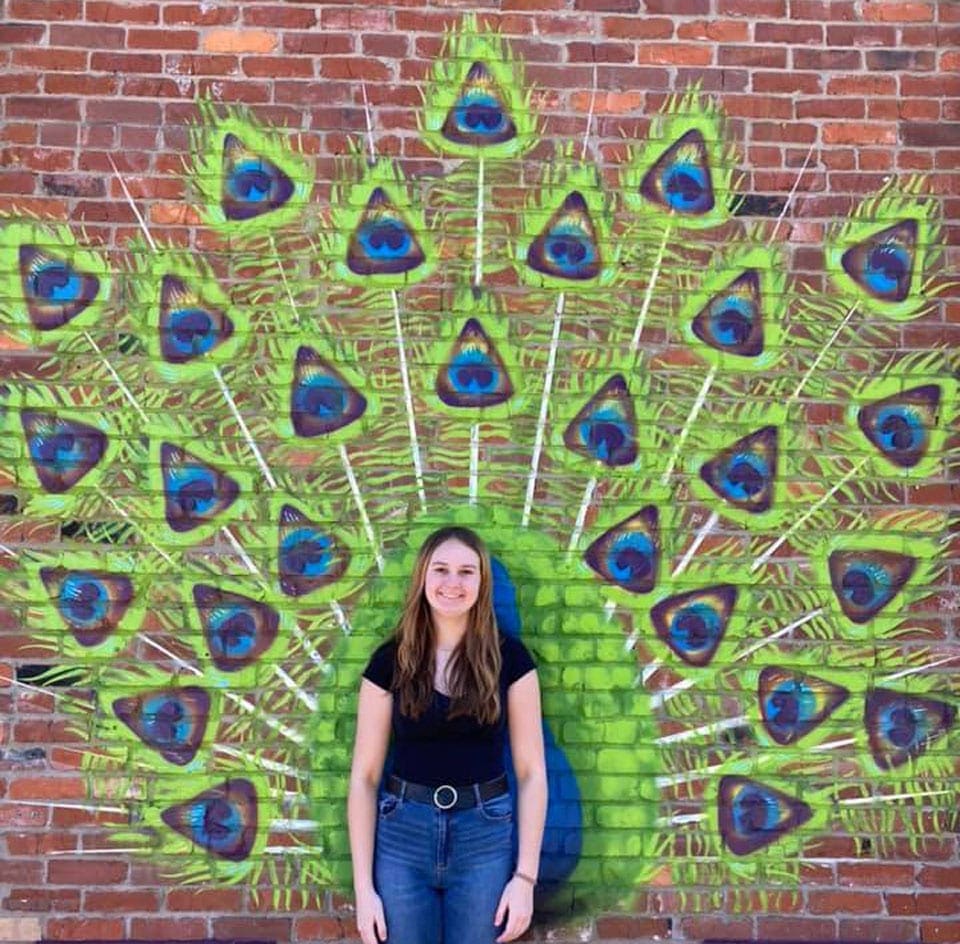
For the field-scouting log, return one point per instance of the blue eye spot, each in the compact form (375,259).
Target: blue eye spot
(84,600)
(687,188)
(474,375)
(605,428)
(882,264)
(479,116)
(752,815)
(309,557)
(901,727)
(567,247)
(222,820)
(252,185)
(731,321)
(383,243)
(56,282)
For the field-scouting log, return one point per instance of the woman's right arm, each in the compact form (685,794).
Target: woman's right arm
(374,711)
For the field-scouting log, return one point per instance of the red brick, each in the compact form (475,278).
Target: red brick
(17,84)
(766,57)
(138,63)
(80,84)
(119,900)
(319,44)
(752,8)
(364,18)
(647,27)
(313,928)
(940,932)
(861,35)
(267,929)
(228,90)
(279,15)
(723,928)
(43,899)
(892,12)
(85,929)
(722,31)
(601,52)
(43,59)
(678,7)
(940,876)
(14,34)
(223,900)
(867,86)
(794,34)
(940,86)
(828,60)
(385,44)
(606,6)
(683,54)
(186,40)
(21,870)
(85,872)
(148,113)
(630,927)
(202,65)
(877,928)
(883,109)
(109,11)
(844,902)
(879,874)
(859,133)
(786,83)
(930,904)
(795,929)
(46,10)
(62,109)
(930,134)
(199,14)
(170,929)
(354,69)
(87,37)
(47,788)
(823,11)
(153,86)
(756,106)
(900,60)
(831,108)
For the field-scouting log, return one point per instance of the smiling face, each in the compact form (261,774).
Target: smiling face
(451,583)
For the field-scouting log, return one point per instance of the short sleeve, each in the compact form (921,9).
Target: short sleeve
(517,661)
(379,669)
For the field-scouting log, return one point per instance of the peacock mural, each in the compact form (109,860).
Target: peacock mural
(694,470)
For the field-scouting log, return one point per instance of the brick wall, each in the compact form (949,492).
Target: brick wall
(826,100)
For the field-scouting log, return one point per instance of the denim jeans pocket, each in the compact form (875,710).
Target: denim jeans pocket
(498,809)
(387,805)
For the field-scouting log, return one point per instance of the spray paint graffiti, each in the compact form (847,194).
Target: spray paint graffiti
(716,590)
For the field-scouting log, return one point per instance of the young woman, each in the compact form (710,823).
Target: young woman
(432,853)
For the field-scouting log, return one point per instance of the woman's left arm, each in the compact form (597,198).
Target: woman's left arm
(526,746)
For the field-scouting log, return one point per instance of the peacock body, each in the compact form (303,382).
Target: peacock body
(692,469)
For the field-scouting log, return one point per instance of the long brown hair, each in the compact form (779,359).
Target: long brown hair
(474,668)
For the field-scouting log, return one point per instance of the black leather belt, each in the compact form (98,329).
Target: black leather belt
(447,797)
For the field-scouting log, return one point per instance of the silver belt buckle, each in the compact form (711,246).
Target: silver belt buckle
(436,797)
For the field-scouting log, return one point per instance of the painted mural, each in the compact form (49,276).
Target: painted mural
(617,382)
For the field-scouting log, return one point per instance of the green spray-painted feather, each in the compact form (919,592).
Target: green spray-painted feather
(51,288)
(881,257)
(475,100)
(249,183)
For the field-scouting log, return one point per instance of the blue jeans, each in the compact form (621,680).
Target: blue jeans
(440,873)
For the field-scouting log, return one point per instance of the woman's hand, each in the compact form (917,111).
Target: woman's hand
(370,921)
(516,905)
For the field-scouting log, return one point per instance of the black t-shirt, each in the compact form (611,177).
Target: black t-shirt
(434,750)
